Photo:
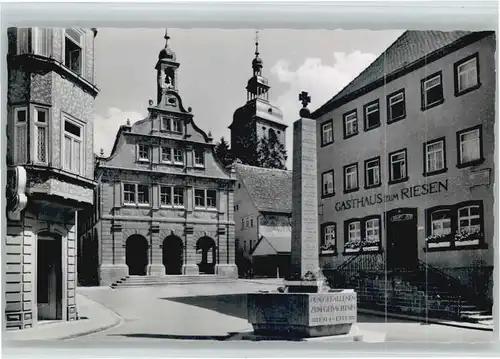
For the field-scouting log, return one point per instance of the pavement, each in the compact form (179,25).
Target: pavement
(94,317)
(215,312)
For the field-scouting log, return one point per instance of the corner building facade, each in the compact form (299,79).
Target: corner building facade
(50,169)
(166,203)
(406,160)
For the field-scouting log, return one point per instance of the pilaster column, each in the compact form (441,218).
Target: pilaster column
(155,266)
(190,266)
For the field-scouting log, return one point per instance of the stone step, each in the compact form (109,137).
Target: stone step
(477,318)
(138,281)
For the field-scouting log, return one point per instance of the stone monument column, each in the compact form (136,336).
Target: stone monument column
(306,308)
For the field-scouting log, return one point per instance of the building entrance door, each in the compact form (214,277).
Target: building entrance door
(49,276)
(402,239)
(172,255)
(136,255)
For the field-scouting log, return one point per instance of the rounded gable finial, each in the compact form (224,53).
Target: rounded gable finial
(128,121)
(101,153)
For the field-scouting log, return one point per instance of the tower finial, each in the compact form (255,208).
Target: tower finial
(166,37)
(257,43)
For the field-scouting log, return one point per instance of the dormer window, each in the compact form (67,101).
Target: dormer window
(176,125)
(199,157)
(73,50)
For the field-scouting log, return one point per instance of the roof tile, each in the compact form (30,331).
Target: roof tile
(269,189)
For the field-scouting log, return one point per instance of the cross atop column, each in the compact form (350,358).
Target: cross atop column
(304,98)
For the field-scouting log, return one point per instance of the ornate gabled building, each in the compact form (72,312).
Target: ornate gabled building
(257,119)
(166,202)
(50,163)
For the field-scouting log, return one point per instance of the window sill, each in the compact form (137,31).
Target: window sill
(350,135)
(137,205)
(452,246)
(332,252)
(467,90)
(375,249)
(367,129)
(328,195)
(199,166)
(346,191)
(374,186)
(205,209)
(397,119)
(471,163)
(171,132)
(433,173)
(401,180)
(432,105)
(326,144)
(140,160)
(166,206)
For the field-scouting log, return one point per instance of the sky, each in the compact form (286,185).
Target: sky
(215,66)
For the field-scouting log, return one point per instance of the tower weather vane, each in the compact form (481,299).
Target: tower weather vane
(257,43)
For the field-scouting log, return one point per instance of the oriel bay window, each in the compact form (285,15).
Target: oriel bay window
(73,50)
(362,235)
(398,169)
(20,134)
(171,196)
(328,188)
(455,227)
(135,194)
(372,115)
(350,124)
(435,157)
(470,147)
(328,238)
(205,199)
(72,149)
(372,173)
(432,91)
(41,134)
(396,108)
